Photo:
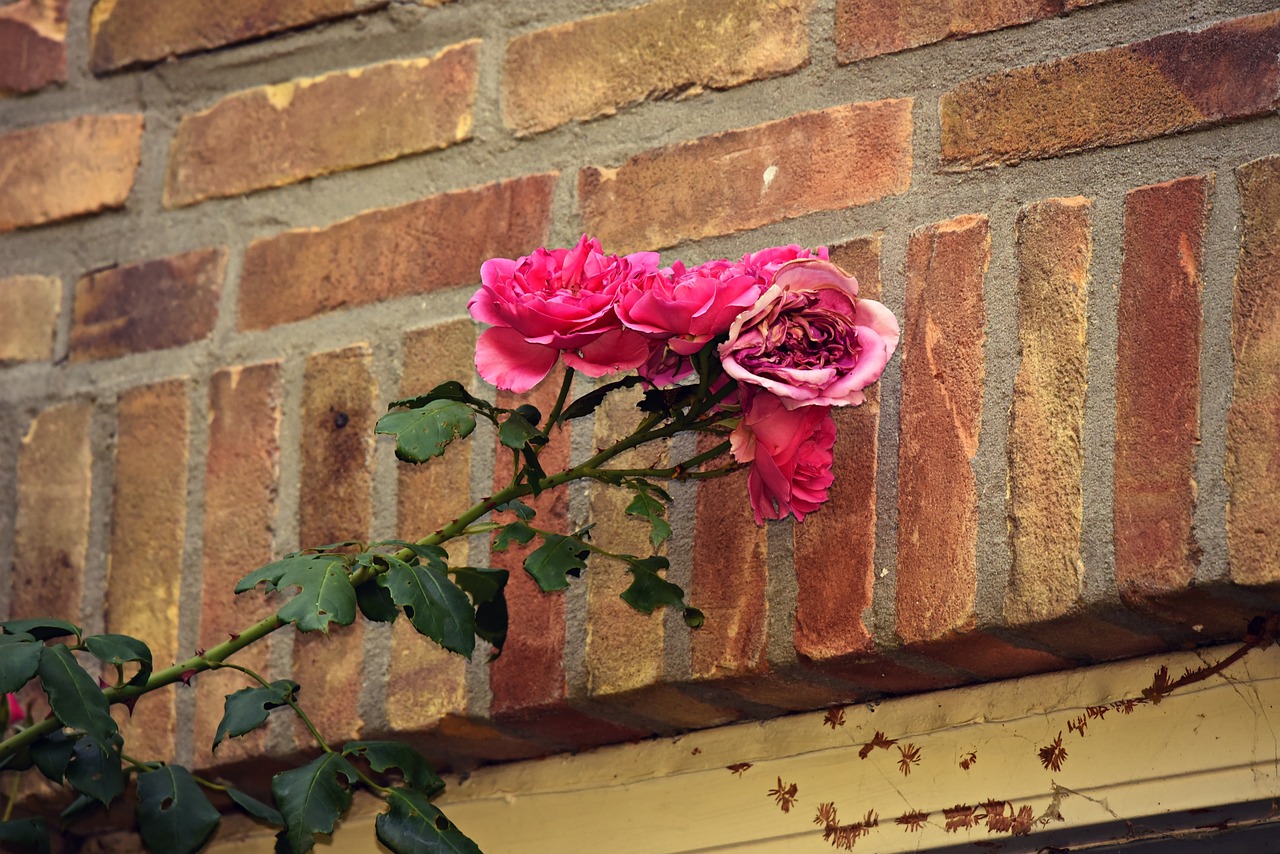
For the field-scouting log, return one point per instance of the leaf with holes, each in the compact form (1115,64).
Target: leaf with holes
(411,825)
(413,767)
(247,709)
(435,605)
(325,594)
(375,601)
(647,507)
(173,814)
(94,769)
(74,694)
(558,557)
(523,511)
(486,588)
(516,432)
(649,590)
(517,531)
(312,798)
(18,662)
(25,834)
(425,432)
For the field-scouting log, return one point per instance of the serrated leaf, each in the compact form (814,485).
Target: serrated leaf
(247,709)
(485,587)
(426,553)
(18,663)
(42,628)
(647,507)
(424,433)
(52,753)
(451,390)
(255,807)
(312,798)
(413,767)
(518,531)
(435,605)
(375,601)
(325,594)
(516,432)
(173,814)
(119,650)
(94,769)
(412,825)
(523,511)
(590,401)
(558,557)
(648,590)
(25,834)
(73,694)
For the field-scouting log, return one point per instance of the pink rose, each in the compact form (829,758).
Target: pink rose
(809,339)
(552,302)
(16,714)
(790,455)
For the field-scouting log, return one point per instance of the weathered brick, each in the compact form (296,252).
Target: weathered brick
(1253,424)
(990,657)
(314,126)
(131,32)
(148,524)
(879,674)
(825,160)
(866,28)
(33,45)
(51,536)
(1158,389)
(595,66)
(242,479)
(29,306)
(1144,90)
(69,168)
(392,252)
(943,373)
(153,305)
(1046,457)
(339,399)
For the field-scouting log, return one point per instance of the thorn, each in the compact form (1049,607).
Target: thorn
(200,652)
(235,636)
(129,704)
(187,675)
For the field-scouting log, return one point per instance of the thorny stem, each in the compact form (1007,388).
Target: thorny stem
(565,384)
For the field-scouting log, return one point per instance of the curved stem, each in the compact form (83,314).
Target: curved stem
(292,703)
(13,796)
(565,385)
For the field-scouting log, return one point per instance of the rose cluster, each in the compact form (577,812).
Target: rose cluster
(787,325)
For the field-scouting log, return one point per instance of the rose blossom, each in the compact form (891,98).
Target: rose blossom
(790,451)
(556,301)
(16,713)
(809,339)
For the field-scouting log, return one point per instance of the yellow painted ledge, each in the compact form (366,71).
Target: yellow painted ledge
(1209,749)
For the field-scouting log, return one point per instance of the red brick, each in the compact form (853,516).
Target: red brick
(593,67)
(825,160)
(392,252)
(242,479)
(1253,424)
(29,305)
(1046,457)
(474,739)
(1144,90)
(33,44)
(131,32)
(51,536)
(69,168)
(148,525)
(866,28)
(347,119)
(153,305)
(339,400)
(943,373)
(879,674)
(991,658)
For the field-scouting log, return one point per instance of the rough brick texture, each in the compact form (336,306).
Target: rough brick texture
(33,45)
(392,252)
(29,306)
(149,306)
(1171,83)
(131,32)
(866,28)
(68,169)
(825,160)
(1253,425)
(592,67)
(944,338)
(282,134)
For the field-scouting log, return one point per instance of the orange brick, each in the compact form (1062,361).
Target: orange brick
(593,67)
(29,305)
(866,28)
(315,126)
(33,45)
(153,305)
(825,160)
(69,168)
(392,252)
(1144,90)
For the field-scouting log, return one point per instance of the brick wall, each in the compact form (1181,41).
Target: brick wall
(229,233)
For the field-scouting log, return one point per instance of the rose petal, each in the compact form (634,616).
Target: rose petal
(613,351)
(506,360)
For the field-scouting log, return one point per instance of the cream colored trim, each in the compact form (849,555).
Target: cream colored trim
(1213,744)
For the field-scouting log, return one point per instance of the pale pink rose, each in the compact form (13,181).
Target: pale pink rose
(809,339)
(556,301)
(790,451)
(16,714)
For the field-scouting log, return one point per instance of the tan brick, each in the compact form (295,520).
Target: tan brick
(131,32)
(153,305)
(33,45)
(148,524)
(51,536)
(866,28)
(339,399)
(1046,457)
(69,168)
(392,252)
(943,374)
(1253,429)
(825,160)
(593,67)
(282,134)
(29,306)
(242,479)
(1144,90)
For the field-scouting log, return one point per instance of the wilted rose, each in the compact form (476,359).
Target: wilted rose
(790,451)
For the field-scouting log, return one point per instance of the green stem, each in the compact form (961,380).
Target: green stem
(563,396)
(13,796)
(293,704)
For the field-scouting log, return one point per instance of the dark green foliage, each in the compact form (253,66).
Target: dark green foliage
(94,769)
(425,432)
(411,825)
(435,605)
(19,658)
(375,602)
(325,595)
(120,650)
(312,798)
(516,432)
(52,753)
(74,694)
(590,401)
(256,808)
(25,834)
(523,511)
(174,815)
(42,628)
(518,531)
(486,587)
(413,767)
(248,708)
(559,556)
(646,506)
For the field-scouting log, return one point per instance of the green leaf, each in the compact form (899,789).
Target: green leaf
(588,403)
(375,601)
(174,815)
(558,556)
(18,663)
(533,471)
(94,769)
(73,694)
(435,605)
(518,531)
(273,572)
(312,798)
(247,709)
(325,594)
(516,432)
(42,628)
(485,587)
(649,590)
(426,553)
(451,390)
(646,506)
(413,767)
(255,807)
(25,834)
(523,511)
(82,806)
(411,825)
(424,433)
(52,753)
(119,650)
